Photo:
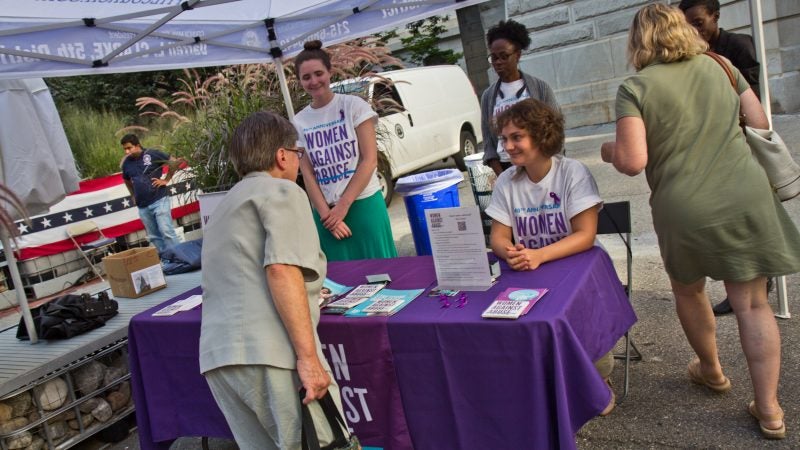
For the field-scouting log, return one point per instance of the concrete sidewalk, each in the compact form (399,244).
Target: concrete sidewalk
(663,409)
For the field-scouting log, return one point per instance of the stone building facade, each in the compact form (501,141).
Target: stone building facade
(579,49)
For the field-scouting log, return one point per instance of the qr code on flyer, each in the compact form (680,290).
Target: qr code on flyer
(462,226)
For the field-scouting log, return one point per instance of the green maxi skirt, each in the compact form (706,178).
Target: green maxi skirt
(372,237)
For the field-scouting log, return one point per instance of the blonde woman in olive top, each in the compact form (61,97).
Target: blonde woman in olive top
(713,209)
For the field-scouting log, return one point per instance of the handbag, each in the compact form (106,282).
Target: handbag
(769,150)
(70,315)
(309,439)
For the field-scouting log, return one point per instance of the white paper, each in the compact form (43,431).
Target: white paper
(181,305)
(148,278)
(459,248)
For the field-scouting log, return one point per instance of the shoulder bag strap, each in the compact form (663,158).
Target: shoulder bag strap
(725,67)
(732,80)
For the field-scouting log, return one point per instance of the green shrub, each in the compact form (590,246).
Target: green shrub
(204,113)
(94,139)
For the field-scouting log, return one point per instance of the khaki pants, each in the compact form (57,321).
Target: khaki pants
(262,406)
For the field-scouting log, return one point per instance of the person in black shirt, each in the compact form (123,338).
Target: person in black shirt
(738,48)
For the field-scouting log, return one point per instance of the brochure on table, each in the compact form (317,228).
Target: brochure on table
(181,305)
(384,303)
(513,303)
(356,296)
(331,291)
(459,248)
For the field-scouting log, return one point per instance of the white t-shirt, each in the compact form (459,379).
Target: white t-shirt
(510,93)
(329,137)
(539,214)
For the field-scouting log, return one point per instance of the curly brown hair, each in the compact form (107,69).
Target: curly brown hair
(544,124)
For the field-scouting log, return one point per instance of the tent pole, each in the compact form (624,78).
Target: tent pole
(21,299)
(287,98)
(756,22)
(757,26)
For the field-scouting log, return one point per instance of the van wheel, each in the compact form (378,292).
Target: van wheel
(386,182)
(468,147)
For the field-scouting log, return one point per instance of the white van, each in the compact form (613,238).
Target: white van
(432,114)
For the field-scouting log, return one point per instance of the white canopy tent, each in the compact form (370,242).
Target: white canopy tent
(58,38)
(36,162)
(80,37)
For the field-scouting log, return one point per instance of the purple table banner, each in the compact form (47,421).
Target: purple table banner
(428,377)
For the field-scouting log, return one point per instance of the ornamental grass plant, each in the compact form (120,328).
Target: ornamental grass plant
(94,138)
(202,115)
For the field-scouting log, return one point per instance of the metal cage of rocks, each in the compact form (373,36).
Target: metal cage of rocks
(60,410)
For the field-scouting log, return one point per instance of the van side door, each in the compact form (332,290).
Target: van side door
(396,134)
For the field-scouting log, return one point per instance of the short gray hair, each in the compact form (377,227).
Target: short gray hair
(256,141)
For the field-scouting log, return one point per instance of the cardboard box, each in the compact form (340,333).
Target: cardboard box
(135,272)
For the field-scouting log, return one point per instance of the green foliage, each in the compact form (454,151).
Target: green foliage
(112,92)
(423,40)
(216,106)
(205,111)
(92,137)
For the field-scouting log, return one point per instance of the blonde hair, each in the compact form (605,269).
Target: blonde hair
(661,33)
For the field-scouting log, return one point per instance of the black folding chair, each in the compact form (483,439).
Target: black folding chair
(615,218)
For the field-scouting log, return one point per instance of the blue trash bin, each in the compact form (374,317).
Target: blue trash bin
(428,190)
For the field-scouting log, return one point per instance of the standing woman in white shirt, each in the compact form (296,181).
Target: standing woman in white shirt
(338,133)
(506,41)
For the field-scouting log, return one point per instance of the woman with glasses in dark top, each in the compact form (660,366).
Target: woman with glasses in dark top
(339,168)
(506,41)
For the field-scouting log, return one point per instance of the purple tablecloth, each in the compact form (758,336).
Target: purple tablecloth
(464,382)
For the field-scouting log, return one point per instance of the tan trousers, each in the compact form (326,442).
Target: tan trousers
(262,406)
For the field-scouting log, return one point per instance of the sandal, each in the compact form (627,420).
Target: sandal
(768,433)
(697,377)
(611,403)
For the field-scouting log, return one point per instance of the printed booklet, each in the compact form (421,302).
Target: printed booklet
(331,291)
(356,296)
(385,303)
(513,303)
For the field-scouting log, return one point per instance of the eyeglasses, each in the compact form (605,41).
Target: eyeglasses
(299,150)
(501,57)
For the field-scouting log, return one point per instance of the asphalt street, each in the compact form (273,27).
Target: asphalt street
(663,409)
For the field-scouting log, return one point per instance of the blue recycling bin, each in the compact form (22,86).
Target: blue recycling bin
(428,190)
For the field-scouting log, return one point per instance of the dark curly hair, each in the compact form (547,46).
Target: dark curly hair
(544,124)
(512,31)
(711,6)
(312,50)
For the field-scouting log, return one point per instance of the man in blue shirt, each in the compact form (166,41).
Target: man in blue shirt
(142,171)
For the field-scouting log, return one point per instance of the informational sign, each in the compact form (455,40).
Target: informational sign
(459,248)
